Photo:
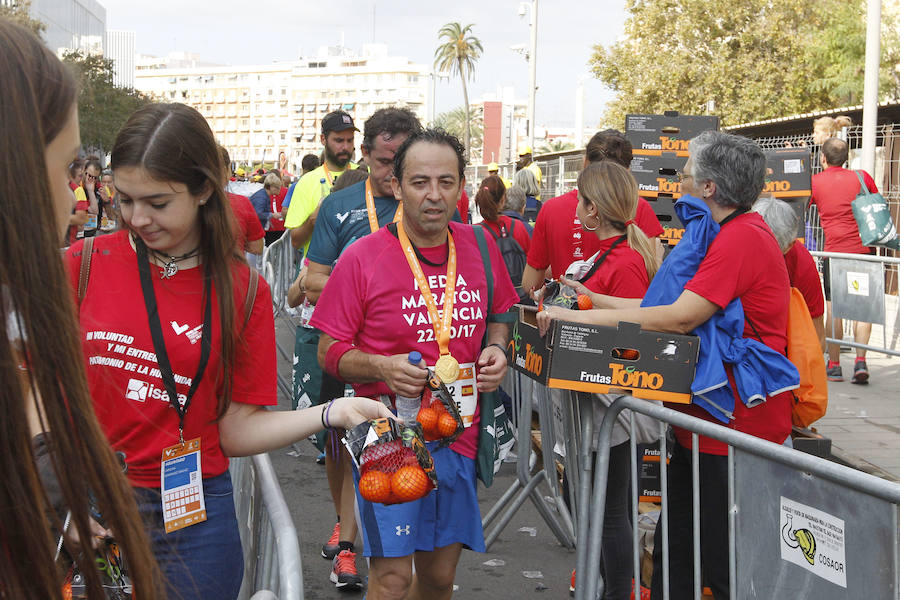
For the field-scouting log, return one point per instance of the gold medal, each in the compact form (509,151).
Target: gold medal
(447,368)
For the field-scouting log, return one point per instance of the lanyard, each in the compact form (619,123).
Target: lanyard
(600,260)
(328,178)
(370,208)
(441,325)
(159,343)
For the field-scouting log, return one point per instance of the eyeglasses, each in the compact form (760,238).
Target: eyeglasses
(682,176)
(91,177)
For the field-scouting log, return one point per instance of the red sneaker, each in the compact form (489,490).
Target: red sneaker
(332,547)
(572,585)
(343,571)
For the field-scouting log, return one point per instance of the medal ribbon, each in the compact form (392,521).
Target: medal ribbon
(370,208)
(441,325)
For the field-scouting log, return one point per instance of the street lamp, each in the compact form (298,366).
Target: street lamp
(434,75)
(531,56)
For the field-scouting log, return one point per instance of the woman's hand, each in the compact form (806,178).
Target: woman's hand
(580,288)
(551,313)
(347,413)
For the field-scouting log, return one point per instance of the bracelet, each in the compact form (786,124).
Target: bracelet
(501,346)
(302,283)
(322,415)
(325,415)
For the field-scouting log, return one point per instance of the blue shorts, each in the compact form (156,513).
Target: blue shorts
(447,515)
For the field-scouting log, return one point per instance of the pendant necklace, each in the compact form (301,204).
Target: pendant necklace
(170,268)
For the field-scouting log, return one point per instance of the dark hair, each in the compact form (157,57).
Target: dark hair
(489,198)
(226,162)
(390,122)
(836,151)
(609,144)
(93,161)
(430,136)
(173,142)
(42,334)
(349,177)
(310,162)
(75,166)
(734,163)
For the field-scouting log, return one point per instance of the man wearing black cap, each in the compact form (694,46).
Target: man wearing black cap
(337,137)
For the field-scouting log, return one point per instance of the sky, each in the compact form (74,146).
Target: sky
(232,32)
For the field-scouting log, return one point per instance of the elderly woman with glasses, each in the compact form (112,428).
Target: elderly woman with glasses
(726,275)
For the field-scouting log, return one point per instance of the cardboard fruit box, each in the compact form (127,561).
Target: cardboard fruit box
(591,358)
(658,175)
(788,173)
(655,135)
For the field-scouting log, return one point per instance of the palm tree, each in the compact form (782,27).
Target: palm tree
(457,55)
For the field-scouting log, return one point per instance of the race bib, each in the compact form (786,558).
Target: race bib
(181,486)
(464,392)
(306,313)
(91,222)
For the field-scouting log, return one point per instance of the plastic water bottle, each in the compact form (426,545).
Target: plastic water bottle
(408,408)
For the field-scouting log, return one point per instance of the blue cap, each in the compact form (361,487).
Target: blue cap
(415,357)
(322,180)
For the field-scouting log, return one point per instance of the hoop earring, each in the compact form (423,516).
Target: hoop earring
(594,228)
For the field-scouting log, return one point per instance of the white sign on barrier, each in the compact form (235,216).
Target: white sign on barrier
(857,284)
(813,540)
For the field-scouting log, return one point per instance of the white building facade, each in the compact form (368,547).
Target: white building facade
(72,24)
(259,111)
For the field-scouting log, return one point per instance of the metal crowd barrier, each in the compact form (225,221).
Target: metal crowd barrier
(272,565)
(871,301)
(278,269)
(850,512)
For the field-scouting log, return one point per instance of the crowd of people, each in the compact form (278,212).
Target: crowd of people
(157,340)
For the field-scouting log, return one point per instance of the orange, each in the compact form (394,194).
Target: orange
(584,302)
(428,417)
(375,486)
(409,483)
(446,425)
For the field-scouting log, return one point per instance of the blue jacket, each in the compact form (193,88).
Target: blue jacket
(262,204)
(758,370)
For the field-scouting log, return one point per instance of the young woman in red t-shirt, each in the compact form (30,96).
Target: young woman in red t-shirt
(188,325)
(490,199)
(622,267)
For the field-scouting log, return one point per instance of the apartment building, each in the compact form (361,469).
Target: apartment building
(259,111)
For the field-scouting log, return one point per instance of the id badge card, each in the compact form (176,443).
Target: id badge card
(465,393)
(91,222)
(182,486)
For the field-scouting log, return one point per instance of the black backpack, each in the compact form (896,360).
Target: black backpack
(513,255)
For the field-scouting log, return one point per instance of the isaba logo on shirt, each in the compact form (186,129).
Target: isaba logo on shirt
(139,391)
(193,335)
(341,217)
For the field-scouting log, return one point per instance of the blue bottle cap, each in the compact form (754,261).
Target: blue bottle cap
(415,357)
(322,180)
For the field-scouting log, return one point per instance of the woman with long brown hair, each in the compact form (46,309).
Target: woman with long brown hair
(491,199)
(44,399)
(182,369)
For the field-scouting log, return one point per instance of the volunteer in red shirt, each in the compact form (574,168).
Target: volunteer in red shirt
(248,230)
(802,272)
(276,221)
(743,261)
(622,267)
(181,372)
(424,263)
(558,239)
(832,192)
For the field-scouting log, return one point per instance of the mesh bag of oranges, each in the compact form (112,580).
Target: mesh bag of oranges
(556,293)
(394,464)
(438,414)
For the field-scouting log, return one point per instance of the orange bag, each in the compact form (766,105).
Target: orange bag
(803,349)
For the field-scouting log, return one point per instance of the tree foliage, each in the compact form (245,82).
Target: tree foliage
(457,55)
(553,146)
(18,11)
(755,59)
(454,121)
(102,107)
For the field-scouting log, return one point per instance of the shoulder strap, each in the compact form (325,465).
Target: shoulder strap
(484,226)
(600,260)
(84,273)
(250,298)
(862,183)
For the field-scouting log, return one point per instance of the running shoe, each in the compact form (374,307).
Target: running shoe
(834,373)
(572,585)
(343,571)
(860,372)
(332,546)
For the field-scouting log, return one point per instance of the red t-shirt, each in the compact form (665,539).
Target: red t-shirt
(127,390)
(804,276)
(832,192)
(249,227)
(558,238)
(277,201)
(744,262)
(519,233)
(622,274)
(72,232)
(360,304)
(462,205)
